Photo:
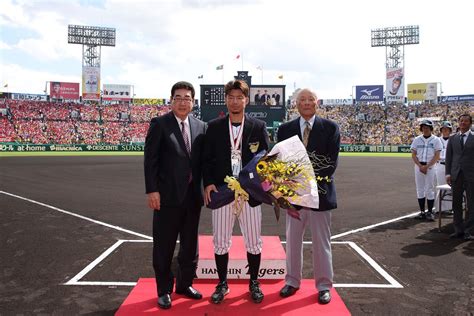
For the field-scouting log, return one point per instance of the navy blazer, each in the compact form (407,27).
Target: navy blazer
(324,140)
(167,163)
(216,158)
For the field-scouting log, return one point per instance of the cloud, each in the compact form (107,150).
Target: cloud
(324,45)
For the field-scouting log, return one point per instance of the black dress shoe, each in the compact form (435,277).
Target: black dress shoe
(456,235)
(422,215)
(222,289)
(288,290)
(190,292)
(255,291)
(467,236)
(324,297)
(164,301)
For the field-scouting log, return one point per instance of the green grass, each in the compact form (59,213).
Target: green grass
(138,153)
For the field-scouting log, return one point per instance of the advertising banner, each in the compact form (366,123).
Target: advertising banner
(64,90)
(369,93)
(335,102)
(114,92)
(90,83)
(150,101)
(28,96)
(458,98)
(395,85)
(422,91)
(15,147)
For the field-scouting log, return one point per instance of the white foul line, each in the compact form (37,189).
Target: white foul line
(90,266)
(374,225)
(79,216)
(393,283)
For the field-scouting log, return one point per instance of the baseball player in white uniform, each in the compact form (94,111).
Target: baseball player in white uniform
(426,149)
(446,130)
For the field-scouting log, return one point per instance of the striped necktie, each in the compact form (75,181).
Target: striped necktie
(188,147)
(185,138)
(306,132)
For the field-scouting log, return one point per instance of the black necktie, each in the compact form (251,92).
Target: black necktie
(462,141)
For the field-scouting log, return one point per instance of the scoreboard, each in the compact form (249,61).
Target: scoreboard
(212,95)
(267,102)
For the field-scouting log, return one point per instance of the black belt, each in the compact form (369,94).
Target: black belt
(442,162)
(423,163)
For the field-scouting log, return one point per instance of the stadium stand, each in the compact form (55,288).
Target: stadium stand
(40,122)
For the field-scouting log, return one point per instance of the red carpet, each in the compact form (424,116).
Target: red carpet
(142,301)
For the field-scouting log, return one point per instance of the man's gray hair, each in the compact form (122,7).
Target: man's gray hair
(306,90)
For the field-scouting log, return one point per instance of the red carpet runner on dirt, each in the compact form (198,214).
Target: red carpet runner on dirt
(142,300)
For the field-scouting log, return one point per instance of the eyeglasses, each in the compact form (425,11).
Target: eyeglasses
(181,99)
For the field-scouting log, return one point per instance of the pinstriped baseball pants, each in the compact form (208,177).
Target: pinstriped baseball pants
(250,221)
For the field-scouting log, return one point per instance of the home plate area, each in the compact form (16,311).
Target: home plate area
(143,299)
(352,268)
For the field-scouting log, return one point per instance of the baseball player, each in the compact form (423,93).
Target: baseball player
(230,143)
(426,149)
(445,129)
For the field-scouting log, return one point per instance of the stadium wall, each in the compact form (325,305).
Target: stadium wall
(14,147)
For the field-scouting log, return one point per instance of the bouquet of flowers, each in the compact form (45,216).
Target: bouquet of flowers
(283,178)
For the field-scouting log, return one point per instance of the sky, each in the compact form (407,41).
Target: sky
(323,45)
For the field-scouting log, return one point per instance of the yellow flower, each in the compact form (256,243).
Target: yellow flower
(262,166)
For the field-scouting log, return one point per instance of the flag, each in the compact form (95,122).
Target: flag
(259,67)
(6,85)
(238,56)
(201,76)
(220,67)
(280,77)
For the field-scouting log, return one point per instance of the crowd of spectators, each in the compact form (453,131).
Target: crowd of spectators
(394,124)
(41,122)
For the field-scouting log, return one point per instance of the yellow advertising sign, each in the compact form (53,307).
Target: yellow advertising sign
(422,91)
(149,101)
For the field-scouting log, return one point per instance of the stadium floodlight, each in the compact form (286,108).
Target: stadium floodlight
(92,39)
(394,36)
(394,40)
(91,35)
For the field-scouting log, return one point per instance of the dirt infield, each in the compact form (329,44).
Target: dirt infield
(45,246)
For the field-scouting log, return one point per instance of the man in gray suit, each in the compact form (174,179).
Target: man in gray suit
(321,138)
(460,175)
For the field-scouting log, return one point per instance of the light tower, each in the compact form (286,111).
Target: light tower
(394,39)
(92,39)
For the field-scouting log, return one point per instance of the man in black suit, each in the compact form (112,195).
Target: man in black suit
(265,98)
(460,175)
(322,141)
(173,149)
(276,96)
(256,98)
(230,143)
